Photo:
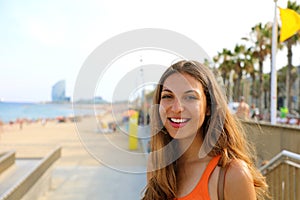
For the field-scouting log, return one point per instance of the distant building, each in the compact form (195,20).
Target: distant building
(95,100)
(59,92)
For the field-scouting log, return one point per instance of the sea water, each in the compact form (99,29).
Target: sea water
(11,111)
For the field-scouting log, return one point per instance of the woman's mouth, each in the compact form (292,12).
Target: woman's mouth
(178,122)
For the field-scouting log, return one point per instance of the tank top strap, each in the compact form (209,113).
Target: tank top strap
(210,168)
(203,183)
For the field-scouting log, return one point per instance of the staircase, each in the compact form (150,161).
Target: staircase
(283,176)
(25,179)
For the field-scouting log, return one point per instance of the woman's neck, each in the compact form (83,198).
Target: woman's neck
(190,148)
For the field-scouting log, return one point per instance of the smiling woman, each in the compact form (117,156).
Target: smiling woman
(182,105)
(198,148)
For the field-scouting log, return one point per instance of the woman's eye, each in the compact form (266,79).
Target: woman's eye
(166,96)
(190,97)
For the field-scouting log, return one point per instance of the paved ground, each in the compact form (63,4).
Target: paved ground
(93,165)
(82,182)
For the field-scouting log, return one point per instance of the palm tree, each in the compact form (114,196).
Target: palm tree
(233,65)
(267,91)
(260,36)
(282,75)
(243,65)
(225,65)
(292,41)
(254,90)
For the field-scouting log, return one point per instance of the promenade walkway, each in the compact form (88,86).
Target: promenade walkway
(117,173)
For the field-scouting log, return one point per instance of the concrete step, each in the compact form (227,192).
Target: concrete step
(27,178)
(18,171)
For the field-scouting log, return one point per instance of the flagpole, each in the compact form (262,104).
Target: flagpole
(273,69)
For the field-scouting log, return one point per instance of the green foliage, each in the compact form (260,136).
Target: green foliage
(248,60)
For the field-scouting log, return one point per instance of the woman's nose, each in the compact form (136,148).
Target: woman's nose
(177,106)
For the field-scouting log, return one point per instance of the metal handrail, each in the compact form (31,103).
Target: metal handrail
(283,153)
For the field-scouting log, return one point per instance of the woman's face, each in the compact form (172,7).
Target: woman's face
(182,105)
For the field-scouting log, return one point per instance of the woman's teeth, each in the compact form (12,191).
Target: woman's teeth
(175,120)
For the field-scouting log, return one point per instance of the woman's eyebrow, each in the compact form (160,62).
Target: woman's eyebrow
(166,90)
(188,91)
(192,91)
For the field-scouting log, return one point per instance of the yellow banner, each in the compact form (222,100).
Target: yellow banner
(133,131)
(290,23)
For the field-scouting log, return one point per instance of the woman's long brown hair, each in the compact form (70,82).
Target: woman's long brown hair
(222,135)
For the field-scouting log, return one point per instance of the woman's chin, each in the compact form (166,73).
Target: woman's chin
(181,135)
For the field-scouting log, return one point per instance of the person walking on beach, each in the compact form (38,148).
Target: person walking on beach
(243,110)
(198,149)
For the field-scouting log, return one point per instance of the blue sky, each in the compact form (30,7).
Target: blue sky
(42,42)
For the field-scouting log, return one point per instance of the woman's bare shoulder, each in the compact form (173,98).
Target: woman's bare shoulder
(239,181)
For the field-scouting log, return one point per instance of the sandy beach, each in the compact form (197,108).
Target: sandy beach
(83,146)
(36,140)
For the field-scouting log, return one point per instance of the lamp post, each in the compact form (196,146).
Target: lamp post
(273,109)
(143,99)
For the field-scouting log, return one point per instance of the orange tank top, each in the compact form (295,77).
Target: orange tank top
(200,192)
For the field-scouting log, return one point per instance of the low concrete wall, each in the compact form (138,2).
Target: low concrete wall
(7,159)
(28,187)
(269,140)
